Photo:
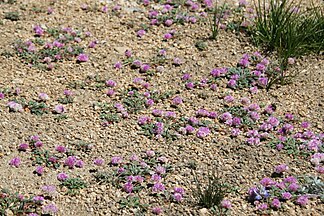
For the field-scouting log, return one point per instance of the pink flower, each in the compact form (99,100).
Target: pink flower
(276,203)
(128,187)
(167,36)
(302,200)
(39,170)
(59,109)
(141,33)
(62,176)
(82,57)
(15,162)
(286,195)
(111,83)
(118,65)
(157,210)
(70,162)
(281,168)
(226,204)
(23,147)
(43,97)
(99,161)
(177,197)
(38,30)
(203,132)
(168,22)
(177,101)
(150,153)
(116,160)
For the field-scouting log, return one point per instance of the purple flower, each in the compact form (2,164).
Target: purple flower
(186,76)
(266,182)
(276,203)
(79,164)
(235,132)
(203,132)
(50,209)
(143,120)
(320,169)
(149,102)
(279,146)
(60,149)
(190,85)
(263,81)
(100,161)
(82,57)
(137,64)
(290,179)
(244,62)
(116,160)
(145,68)
(38,144)
(293,187)
(156,178)
(141,33)
(226,116)
(160,170)
(231,83)
(157,112)
(262,207)
(15,162)
(305,124)
(170,114)
(150,153)
(43,97)
(70,162)
(15,107)
(49,189)
(2,95)
(286,195)
(158,187)
(62,176)
(162,159)
(128,187)
(254,116)
(254,90)
(189,129)
(302,200)
(168,22)
(177,197)
(177,61)
(226,204)
(157,210)
(59,109)
(236,121)
(110,92)
(229,99)
(23,147)
(213,87)
(38,199)
(177,101)
(111,83)
(179,190)
(281,168)
(38,30)
(39,170)
(128,53)
(167,36)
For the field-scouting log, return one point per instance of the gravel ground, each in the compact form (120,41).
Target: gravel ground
(240,164)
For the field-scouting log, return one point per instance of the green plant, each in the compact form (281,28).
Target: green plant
(12,203)
(37,108)
(212,194)
(201,45)
(282,26)
(13,16)
(73,185)
(216,16)
(133,202)
(312,185)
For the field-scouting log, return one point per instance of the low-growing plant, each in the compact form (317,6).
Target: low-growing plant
(312,185)
(13,16)
(73,185)
(17,204)
(213,193)
(289,30)
(216,17)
